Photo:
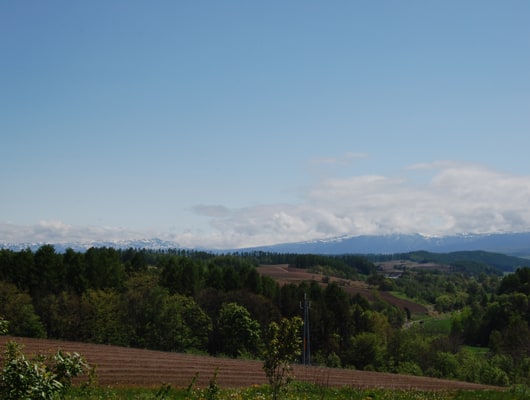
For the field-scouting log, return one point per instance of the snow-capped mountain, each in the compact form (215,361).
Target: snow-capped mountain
(506,243)
(517,244)
(151,244)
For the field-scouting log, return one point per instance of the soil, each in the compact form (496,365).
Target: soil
(284,274)
(127,367)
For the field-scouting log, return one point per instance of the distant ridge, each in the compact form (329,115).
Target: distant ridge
(150,244)
(515,244)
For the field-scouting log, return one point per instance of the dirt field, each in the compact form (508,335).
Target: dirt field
(118,367)
(284,274)
(399,265)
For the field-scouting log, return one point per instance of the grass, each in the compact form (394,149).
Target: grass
(400,295)
(297,391)
(477,350)
(438,325)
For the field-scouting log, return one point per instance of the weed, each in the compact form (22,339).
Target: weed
(163,392)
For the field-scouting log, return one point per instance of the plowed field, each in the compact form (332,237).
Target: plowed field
(119,366)
(284,274)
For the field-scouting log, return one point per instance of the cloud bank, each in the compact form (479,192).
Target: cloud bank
(59,232)
(436,199)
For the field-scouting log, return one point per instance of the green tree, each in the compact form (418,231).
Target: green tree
(445,365)
(253,281)
(104,268)
(135,260)
(283,345)
(198,322)
(406,346)
(24,274)
(75,269)
(269,287)
(62,315)
(103,318)
(182,325)
(181,275)
(444,303)
(367,351)
(519,281)
(231,279)
(260,308)
(289,300)
(515,344)
(49,265)
(239,333)
(214,277)
(338,314)
(17,308)
(144,302)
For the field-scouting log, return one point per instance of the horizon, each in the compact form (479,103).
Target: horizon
(236,124)
(378,244)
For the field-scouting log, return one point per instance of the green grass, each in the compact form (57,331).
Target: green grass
(297,391)
(438,325)
(477,350)
(400,295)
(432,325)
(403,296)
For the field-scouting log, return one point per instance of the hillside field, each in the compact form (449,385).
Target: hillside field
(127,367)
(283,274)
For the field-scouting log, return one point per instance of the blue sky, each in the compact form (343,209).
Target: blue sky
(237,123)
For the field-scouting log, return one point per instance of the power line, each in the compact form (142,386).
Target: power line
(306,344)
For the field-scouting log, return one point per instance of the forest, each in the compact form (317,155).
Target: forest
(219,304)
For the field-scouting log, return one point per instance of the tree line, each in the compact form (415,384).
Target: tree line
(219,304)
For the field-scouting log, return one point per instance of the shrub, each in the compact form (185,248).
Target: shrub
(41,378)
(4,326)
(282,347)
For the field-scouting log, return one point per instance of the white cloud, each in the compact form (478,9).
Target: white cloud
(59,232)
(455,198)
(449,198)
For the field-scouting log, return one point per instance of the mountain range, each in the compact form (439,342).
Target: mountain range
(516,244)
(150,244)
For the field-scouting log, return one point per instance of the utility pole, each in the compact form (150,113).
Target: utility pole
(306,349)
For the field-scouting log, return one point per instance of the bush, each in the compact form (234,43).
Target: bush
(4,326)
(42,378)
(282,347)
(409,368)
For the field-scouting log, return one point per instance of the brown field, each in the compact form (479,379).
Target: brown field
(126,367)
(397,265)
(284,274)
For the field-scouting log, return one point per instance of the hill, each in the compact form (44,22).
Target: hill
(284,274)
(120,366)
(515,244)
(473,262)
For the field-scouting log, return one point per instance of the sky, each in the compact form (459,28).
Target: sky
(227,124)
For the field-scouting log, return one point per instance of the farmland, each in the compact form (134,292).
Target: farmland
(223,305)
(126,367)
(284,274)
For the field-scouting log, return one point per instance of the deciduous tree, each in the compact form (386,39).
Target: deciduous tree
(283,345)
(239,333)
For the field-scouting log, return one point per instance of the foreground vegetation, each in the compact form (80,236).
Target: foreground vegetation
(297,391)
(219,304)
